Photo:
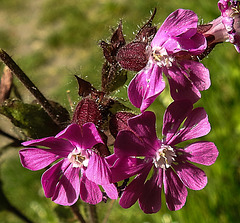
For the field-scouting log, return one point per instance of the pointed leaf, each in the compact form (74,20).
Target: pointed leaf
(147,31)
(85,87)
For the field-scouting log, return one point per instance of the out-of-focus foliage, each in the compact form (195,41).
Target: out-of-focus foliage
(53,40)
(30,118)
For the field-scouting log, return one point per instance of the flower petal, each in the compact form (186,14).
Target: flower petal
(111,191)
(194,45)
(174,116)
(51,177)
(197,73)
(52,143)
(89,191)
(134,189)
(204,153)
(128,144)
(181,87)
(175,191)
(37,159)
(196,125)
(91,136)
(191,176)
(150,199)
(98,170)
(68,188)
(144,127)
(73,133)
(178,22)
(126,167)
(146,86)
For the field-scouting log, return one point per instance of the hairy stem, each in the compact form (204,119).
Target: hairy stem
(7,60)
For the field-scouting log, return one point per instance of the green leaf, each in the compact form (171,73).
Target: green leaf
(31,118)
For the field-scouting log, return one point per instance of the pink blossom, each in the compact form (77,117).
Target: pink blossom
(80,170)
(226,28)
(171,52)
(138,151)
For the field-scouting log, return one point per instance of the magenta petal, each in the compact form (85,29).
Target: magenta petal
(111,191)
(174,116)
(175,191)
(51,142)
(150,199)
(112,159)
(178,22)
(98,170)
(89,191)
(146,86)
(91,136)
(194,45)
(197,73)
(68,187)
(134,189)
(36,159)
(199,44)
(128,144)
(172,45)
(73,133)
(196,125)
(191,176)
(144,126)
(181,87)
(84,137)
(204,153)
(124,168)
(51,177)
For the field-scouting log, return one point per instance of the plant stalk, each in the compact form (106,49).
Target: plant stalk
(7,60)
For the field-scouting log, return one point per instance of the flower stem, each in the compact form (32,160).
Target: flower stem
(110,207)
(7,60)
(76,212)
(93,218)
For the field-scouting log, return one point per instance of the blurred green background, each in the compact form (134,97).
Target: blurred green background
(53,40)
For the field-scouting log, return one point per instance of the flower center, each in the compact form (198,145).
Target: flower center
(78,158)
(164,157)
(161,57)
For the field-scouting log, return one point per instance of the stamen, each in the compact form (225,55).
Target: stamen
(164,157)
(78,159)
(161,57)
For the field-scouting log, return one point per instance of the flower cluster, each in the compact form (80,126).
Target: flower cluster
(61,182)
(156,163)
(138,150)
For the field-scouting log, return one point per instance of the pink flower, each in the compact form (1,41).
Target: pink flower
(231,20)
(226,28)
(171,51)
(138,150)
(61,181)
